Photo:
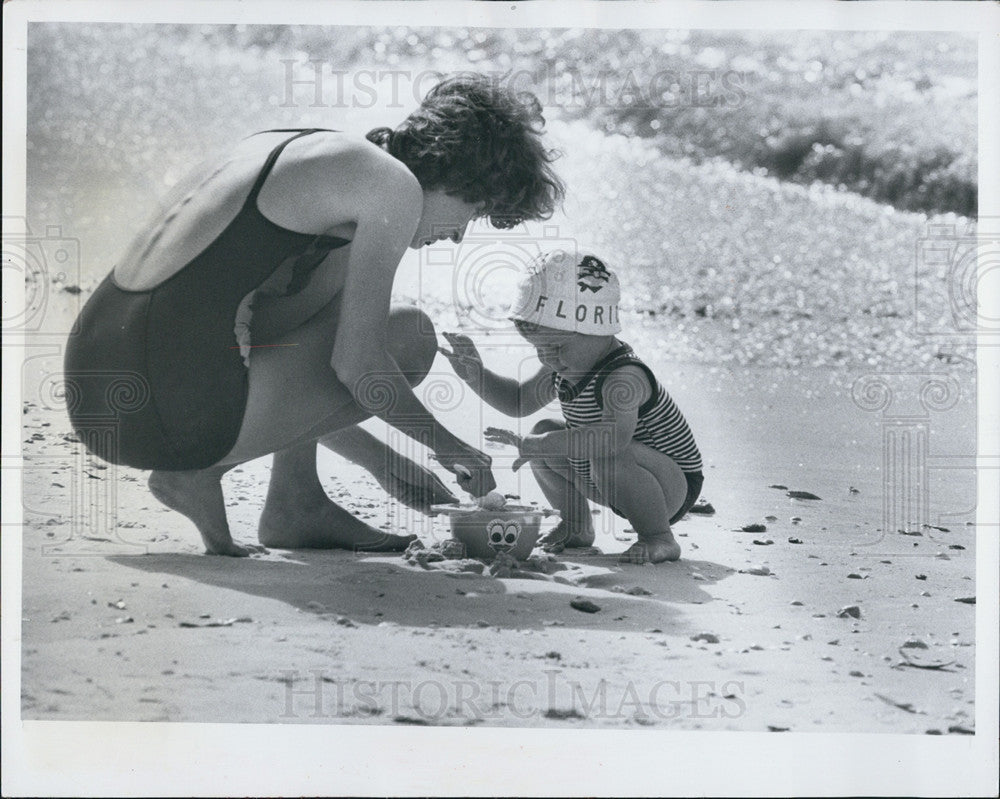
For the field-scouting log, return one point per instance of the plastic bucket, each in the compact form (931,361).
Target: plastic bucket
(513,529)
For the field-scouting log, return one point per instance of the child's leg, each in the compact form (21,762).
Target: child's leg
(648,488)
(556,479)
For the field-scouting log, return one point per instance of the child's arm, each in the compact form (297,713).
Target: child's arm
(505,394)
(623,393)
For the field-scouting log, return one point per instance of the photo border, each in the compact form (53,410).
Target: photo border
(67,758)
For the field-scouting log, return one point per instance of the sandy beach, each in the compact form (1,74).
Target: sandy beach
(748,631)
(818,331)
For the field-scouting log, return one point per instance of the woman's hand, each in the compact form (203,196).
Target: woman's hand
(525,452)
(464,357)
(471,467)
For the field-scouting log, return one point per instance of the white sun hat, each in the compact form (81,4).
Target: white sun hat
(569,291)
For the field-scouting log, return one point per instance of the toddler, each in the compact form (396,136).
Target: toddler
(622,443)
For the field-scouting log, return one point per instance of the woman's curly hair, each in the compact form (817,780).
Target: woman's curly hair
(475,139)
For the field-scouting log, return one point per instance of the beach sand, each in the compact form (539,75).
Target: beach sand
(125,619)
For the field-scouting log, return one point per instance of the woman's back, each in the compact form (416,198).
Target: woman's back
(171,331)
(209,199)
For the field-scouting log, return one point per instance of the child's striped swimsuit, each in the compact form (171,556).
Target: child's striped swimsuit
(661,425)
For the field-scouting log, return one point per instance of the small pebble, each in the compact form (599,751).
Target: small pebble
(637,590)
(708,638)
(849,611)
(794,540)
(584,605)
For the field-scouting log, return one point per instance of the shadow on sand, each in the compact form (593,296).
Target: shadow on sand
(374,589)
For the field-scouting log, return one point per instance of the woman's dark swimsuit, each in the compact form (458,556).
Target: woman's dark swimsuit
(153,378)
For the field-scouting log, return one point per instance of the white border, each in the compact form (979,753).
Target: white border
(57,758)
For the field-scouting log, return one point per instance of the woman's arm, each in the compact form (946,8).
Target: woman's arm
(387,204)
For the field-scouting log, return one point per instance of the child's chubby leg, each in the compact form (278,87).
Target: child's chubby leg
(563,492)
(648,488)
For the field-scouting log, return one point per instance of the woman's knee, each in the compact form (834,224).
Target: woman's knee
(412,342)
(547,426)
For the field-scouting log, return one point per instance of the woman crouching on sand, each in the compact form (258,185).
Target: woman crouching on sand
(253,315)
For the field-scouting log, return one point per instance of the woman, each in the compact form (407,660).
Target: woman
(253,316)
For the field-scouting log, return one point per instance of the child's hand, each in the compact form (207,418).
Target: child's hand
(464,357)
(498,435)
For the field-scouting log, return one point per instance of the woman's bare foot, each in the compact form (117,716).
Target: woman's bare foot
(304,521)
(299,515)
(198,496)
(563,536)
(652,549)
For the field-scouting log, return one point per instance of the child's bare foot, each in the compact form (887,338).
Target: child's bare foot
(652,549)
(563,536)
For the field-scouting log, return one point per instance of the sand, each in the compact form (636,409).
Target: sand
(124,619)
